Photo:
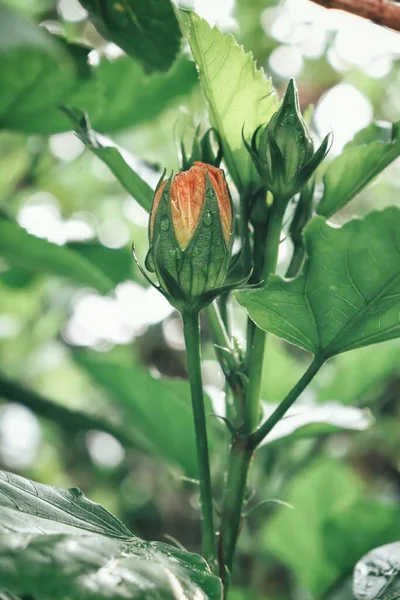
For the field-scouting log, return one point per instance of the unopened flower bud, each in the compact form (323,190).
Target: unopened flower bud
(191,236)
(283,150)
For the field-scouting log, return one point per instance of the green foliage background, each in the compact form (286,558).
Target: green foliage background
(65,376)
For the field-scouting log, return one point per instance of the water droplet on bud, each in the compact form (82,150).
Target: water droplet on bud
(207,219)
(164,224)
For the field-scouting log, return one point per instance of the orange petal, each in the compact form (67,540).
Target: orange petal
(187,197)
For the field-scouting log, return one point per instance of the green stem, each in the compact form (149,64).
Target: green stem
(191,329)
(241,452)
(219,333)
(228,362)
(256,350)
(240,458)
(296,261)
(284,406)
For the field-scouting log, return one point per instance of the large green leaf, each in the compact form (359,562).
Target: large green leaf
(68,547)
(366,524)
(131,97)
(158,411)
(344,379)
(31,253)
(111,155)
(348,294)
(296,537)
(237,93)
(147,31)
(359,163)
(38,73)
(377,574)
(333,523)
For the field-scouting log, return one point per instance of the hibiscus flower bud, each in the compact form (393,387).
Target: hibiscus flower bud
(283,150)
(191,235)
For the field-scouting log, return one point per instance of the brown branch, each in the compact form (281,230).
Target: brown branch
(381,12)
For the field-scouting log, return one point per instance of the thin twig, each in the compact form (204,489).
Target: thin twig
(381,12)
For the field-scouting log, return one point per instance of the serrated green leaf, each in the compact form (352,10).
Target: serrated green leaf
(111,155)
(158,411)
(348,293)
(237,93)
(142,97)
(377,574)
(69,547)
(147,31)
(313,421)
(356,167)
(38,73)
(21,249)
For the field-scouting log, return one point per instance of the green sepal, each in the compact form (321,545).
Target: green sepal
(307,171)
(202,150)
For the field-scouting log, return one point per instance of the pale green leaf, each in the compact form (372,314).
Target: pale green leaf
(305,421)
(377,574)
(348,293)
(355,167)
(147,31)
(21,249)
(68,547)
(158,411)
(344,379)
(112,157)
(237,93)
(296,537)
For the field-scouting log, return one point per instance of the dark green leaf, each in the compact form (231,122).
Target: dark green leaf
(158,411)
(147,31)
(38,73)
(377,574)
(69,547)
(348,294)
(312,421)
(366,524)
(31,253)
(131,97)
(237,94)
(116,263)
(69,419)
(359,163)
(131,181)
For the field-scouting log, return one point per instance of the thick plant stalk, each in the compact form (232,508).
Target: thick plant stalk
(191,330)
(256,351)
(242,453)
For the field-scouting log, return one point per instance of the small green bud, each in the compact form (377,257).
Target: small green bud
(283,150)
